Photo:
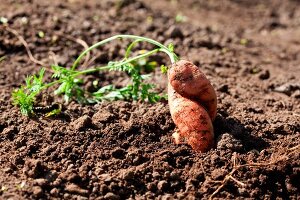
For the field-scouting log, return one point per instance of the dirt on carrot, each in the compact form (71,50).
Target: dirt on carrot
(193,105)
(192,120)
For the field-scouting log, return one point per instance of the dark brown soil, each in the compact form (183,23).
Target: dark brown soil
(250,50)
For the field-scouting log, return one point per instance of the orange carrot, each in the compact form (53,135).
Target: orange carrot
(193,105)
(189,81)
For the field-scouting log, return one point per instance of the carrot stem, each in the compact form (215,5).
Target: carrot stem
(163,48)
(107,67)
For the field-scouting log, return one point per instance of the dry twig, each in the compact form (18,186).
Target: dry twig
(52,55)
(38,62)
(236,167)
(25,44)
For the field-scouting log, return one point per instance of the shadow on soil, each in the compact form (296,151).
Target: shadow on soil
(238,130)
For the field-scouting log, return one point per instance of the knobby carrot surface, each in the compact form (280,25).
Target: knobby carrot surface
(193,105)
(189,81)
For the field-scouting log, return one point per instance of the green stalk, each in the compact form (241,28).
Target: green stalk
(128,50)
(165,49)
(118,64)
(107,67)
(51,84)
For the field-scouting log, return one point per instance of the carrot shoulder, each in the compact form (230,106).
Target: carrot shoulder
(190,82)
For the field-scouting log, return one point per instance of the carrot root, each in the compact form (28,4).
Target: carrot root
(193,105)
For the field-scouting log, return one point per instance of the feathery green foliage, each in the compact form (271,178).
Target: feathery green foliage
(25,96)
(70,84)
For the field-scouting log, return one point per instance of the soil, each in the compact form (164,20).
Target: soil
(250,51)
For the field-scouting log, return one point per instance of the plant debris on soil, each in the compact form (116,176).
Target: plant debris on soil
(250,51)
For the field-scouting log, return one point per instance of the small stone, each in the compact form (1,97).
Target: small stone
(287,88)
(167,174)
(37,191)
(81,123)
(105,177)
(296,94)
(111,196)
(108,180)
(70,175)
(40,182)
(162,185)
(54,192)
(86,24)
(101,117)
(156,175)
(50,176)
(57,182)
(128,175)
(72,188)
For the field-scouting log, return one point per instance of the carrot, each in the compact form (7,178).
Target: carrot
(194,124)
(189,81)
(193,105)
